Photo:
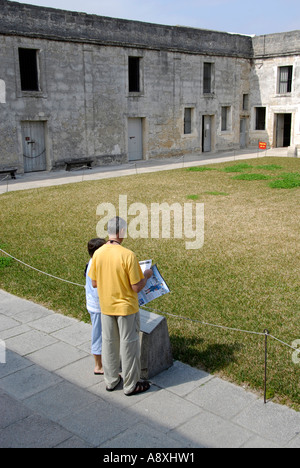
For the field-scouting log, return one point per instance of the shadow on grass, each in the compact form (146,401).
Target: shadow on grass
(213,358)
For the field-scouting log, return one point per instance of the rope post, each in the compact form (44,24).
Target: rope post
(266,332)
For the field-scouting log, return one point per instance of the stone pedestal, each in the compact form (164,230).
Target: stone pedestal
(156,353)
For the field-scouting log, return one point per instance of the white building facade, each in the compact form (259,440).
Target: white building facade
(275,91)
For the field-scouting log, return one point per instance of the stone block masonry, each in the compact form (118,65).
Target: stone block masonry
(114,90)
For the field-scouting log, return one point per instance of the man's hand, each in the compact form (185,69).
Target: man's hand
(141,284)
(148,273)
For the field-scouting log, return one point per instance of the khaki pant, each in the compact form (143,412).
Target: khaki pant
(120,339)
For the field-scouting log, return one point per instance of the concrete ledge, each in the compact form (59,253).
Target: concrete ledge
(292,152)
(48,23)
(156,353)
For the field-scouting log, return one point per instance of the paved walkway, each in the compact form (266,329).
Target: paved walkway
(49,396)
(46,179)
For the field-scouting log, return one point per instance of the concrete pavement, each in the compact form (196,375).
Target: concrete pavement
(49,396)
(47,179)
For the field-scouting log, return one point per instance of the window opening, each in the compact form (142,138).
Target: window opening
(285,79)
(245,102)
(29,69)
(225,118)
(260,123)
(134,74)
(207,76)
(187,120)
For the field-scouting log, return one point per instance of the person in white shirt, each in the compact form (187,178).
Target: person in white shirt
(93,308)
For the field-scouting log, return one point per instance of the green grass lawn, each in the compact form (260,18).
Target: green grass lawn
(246,275)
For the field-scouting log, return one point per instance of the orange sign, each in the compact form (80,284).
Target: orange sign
(262,145)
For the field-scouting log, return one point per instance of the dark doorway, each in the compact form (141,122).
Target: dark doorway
(287,129)
(283,130)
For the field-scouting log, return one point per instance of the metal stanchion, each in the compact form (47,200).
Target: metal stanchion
(266,332)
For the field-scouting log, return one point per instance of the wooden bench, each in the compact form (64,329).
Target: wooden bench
(9,170)
(82,162)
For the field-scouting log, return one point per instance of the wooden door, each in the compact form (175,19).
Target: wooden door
(206,133)
(34,149)
(135,139)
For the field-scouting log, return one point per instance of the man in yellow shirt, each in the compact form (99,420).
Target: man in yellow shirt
(116,273)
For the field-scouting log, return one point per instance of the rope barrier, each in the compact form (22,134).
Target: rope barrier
(40,271)
(180,317)
(282,342)
(266,333)
(202,323)
(219,326)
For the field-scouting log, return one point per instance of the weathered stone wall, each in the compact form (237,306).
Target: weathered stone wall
(84,99)
(32,21)
(276,45)
(60,103)
(264,92)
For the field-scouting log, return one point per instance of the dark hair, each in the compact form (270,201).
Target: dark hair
(95,244)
